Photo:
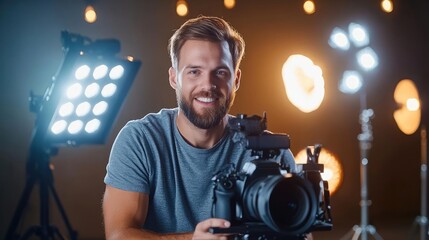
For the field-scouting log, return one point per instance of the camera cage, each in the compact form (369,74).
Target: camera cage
(231,185)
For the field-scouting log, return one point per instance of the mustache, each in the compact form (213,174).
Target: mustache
(209,94)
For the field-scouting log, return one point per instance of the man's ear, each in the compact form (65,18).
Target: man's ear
(237,79)
(172,77)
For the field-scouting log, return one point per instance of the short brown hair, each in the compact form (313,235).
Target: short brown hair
(207,28)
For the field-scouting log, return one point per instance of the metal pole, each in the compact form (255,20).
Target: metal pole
(365,144)
(365,139)
(423,176)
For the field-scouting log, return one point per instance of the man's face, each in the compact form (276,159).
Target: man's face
(205,82)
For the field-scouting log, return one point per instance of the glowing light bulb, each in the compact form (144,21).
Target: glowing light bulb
(58,127)
(229,4)
(182,8)
(339,39)
(309,7)
(413,104)
(367,58)
(90,14)
(387,6)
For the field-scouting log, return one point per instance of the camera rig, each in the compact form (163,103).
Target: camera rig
(265,199)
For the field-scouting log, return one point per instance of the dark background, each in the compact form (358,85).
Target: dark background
(30,54)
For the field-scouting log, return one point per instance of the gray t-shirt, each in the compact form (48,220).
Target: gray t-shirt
(150,155)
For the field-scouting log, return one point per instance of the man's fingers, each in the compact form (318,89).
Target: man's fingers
(202,229)
(215,222)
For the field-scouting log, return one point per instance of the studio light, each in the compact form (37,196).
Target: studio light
(79,107)
(339,39)
(303,82)
(408,118)
(333,170)
(408,114)
(358,35)
(351,82)
(86,94)
(367,59)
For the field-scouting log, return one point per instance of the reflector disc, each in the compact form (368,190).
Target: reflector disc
(407,117)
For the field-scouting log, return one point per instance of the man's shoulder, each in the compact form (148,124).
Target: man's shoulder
(163,117)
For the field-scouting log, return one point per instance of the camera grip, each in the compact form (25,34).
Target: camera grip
(224,206)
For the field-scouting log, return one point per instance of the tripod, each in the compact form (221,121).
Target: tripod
(38,170)
(365,139)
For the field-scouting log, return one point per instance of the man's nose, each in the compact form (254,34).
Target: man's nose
(209,82)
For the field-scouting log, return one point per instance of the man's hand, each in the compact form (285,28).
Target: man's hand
(202,229)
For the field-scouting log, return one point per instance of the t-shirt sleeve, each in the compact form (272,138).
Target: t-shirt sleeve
(128,167)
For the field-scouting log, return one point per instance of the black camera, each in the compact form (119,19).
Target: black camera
(265,200)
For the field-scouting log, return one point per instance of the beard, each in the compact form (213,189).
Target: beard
(210,117)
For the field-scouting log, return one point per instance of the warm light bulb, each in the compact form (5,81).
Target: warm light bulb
(387,6)
(229,4)
(181,8)
(309,7)
(413,104)
(90,14)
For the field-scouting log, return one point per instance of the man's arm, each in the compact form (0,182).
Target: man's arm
(125,213)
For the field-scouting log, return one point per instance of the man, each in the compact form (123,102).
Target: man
(158,181)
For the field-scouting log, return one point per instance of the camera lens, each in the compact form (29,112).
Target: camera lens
(285,204)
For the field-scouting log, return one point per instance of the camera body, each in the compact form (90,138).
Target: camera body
(265,200)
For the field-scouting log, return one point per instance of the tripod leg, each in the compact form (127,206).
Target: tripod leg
(351,233)
(72,233)
(373,232)
(358,231)
(11,232)
(54,231)
(30,232)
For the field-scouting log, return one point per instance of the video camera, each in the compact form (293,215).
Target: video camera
(265,200)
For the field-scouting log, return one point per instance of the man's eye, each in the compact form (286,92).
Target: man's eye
(222,73)
(193,72)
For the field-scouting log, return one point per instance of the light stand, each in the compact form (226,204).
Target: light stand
(78,108)
(365,139)
(38,171)
(422,220)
